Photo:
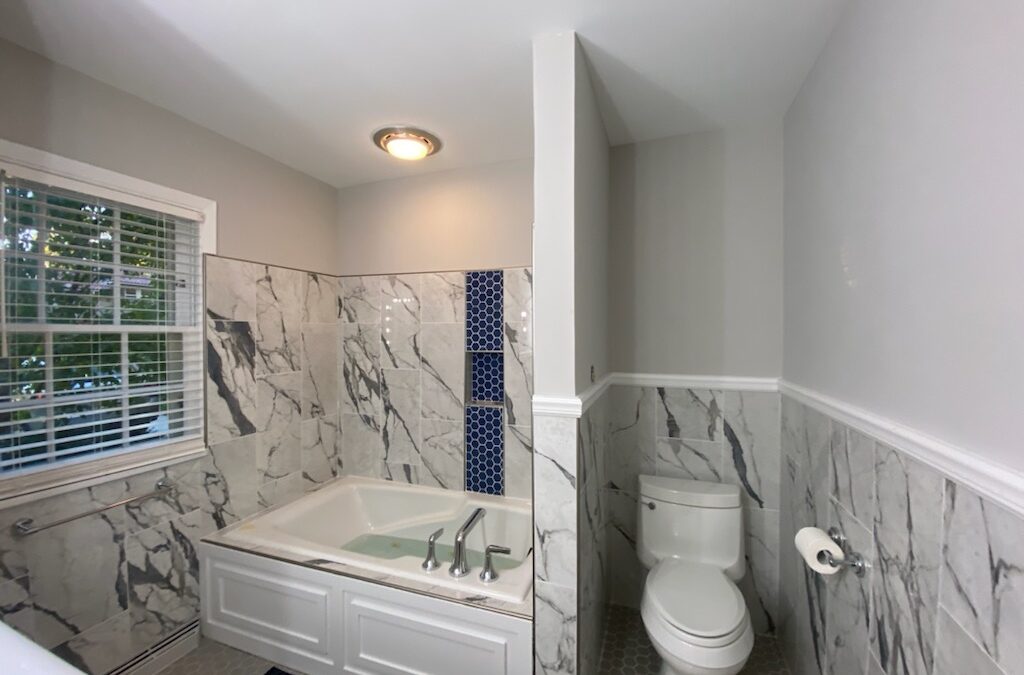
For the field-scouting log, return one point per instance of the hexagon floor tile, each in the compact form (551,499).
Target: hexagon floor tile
(213,658)
(627,651)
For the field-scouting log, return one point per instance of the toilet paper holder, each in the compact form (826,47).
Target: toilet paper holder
(851,559)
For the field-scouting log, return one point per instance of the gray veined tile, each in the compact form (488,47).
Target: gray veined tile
(278,400)
(760,584)
(957,654)
(694,414)
(555,622)
(281,490)
(853,472)
(77,574)
(321,450)
(278,452)
(360,299)
(692,460)
(444,297)
(319,370)
(399,346)
(848,622)
(752,446)
(361,362)
(555,518)
(518,364)
(400,403)
(519,462)
(631,445)
(230,479)
(908,540)
(517,302)
(279,305)
(103,647)
(231,380)
(443,362)
(321,301)
(231,288)
(400,299)
(16,608)
(444,454)
(362,452)
(983,575)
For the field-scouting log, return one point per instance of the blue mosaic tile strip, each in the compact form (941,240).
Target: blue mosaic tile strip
(484,311)
(488,377)
(485,471)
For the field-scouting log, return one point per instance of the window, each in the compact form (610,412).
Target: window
(101,345)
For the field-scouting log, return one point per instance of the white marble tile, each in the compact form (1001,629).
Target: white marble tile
(321,302)
(360,366)
(230,479)
(231,288)
(555,626)
(444,297)
(103,647)
(443,359)
(279,307)
(983,574)
(555,519)
(752,446)
(360,299)
(230,380)
(399,346)
(279,452)
(692,460)
(957,654)
(16,608)
(519,462)
(280,491)
(361,448)
(848,608)
(518,364)
(400,299)
(517,292)
(908,540)
(278,400)
(631,445)
(443,454)
(760,584)
(694,414)
(853,472)
(400,404)
(321,450)
(319,370)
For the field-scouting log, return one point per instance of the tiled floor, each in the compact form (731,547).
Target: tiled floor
(213,658)
(627,651)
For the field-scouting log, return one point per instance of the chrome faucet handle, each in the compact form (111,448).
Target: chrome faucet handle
(431,564)
(490,574)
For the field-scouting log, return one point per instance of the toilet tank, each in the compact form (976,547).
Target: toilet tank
(693,520)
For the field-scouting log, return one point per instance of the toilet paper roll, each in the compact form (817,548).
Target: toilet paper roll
(811,542)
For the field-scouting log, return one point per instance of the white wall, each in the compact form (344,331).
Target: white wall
(904,225)
(696,254)
(590,230)
(475,218)
(265,210)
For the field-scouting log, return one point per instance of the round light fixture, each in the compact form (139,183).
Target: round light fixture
(407,143)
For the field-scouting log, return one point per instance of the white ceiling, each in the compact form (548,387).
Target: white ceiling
(307,81)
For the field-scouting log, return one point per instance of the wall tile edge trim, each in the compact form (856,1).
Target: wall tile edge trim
(986,478)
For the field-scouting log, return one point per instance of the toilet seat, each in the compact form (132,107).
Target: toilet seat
(697,600)
(696,618)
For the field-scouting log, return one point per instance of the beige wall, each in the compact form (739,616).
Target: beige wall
(696,254)
(266,211)
(475,218)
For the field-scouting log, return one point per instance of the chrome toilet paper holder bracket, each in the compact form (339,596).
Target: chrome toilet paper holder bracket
(851,559)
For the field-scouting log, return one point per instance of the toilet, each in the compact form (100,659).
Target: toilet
(690,537)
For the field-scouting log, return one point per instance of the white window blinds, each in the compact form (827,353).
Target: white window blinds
(101,347)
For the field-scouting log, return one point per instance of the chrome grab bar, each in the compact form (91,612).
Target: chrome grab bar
(24,527)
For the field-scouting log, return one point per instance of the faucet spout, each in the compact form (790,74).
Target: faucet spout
(460,563)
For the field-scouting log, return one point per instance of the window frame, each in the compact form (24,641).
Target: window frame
(50,169)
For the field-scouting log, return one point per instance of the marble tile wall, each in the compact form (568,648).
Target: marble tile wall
(403,388)
(698,434)
(945,592)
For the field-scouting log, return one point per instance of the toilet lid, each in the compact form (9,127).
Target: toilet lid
(697,599)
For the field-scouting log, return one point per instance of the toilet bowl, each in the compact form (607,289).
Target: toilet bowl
(690,536)
(696,619)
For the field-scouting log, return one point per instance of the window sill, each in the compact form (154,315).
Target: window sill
(19,490)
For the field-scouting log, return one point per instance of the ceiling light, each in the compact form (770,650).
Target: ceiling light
(406,143)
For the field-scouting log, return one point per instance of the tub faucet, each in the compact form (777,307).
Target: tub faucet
(460,565)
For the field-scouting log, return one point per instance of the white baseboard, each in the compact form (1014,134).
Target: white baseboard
(986,478)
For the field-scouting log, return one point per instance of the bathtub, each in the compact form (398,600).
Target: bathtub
(331,583)
(382,527)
